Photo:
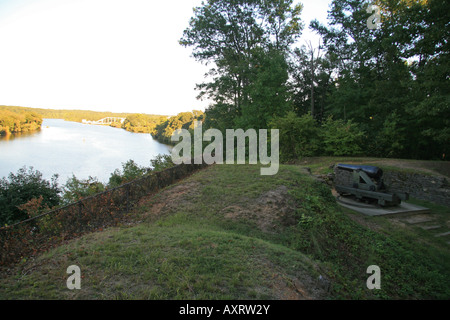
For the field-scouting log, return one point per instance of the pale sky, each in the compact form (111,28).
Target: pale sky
(105,55)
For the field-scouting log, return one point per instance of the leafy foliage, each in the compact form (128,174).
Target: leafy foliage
(130,171)
(341,138)
(21,188)
(26,194)
(142,123)
(389,84)
(184,120)
(17,122)
(299,136)
(247,41)
(76,189)
(392,81)
(304,137)
(161,162)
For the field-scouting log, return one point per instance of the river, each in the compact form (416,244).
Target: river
(71,148)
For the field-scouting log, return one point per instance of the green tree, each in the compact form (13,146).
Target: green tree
(392,81)
(268,92)
(429,49)
(237,36)
(311,80)
(142,123)
(20,188)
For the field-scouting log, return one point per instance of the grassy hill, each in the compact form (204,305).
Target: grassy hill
(229,233)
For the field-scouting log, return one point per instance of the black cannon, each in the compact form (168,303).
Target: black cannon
(367,184)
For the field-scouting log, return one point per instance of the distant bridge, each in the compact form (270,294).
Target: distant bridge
(104,121)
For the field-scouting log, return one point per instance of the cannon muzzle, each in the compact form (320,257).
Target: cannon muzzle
(371,171)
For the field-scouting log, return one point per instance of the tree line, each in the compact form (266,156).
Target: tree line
(68,115)
(161,127)
(380,92)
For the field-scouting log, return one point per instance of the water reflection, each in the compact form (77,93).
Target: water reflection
(18,135)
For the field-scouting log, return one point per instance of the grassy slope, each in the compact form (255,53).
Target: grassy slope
(229,233)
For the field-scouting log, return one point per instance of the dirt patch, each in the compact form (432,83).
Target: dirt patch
(234,212)
(170,199)
(418,218)
(292,288)
(272,209)
(298,286)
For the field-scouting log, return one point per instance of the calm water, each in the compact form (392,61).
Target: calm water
(68,148)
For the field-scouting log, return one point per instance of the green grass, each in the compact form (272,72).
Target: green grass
(227,236)
(164,262)
(321,165)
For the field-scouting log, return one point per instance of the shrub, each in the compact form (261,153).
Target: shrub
(161,162)
(130,171)
(76,189)
(299,136)
(21,188)
(341,138)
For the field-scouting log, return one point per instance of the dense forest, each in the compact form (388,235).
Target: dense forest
(373,88)
(18,122)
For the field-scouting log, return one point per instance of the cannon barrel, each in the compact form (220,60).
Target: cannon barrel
(371,171)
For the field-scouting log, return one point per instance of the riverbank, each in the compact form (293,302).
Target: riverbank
(5,132)
(134,123)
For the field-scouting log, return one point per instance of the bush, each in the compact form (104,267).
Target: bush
(341,138)
(75,189)
(26,187)
(161,162)
(299,136)
(130,171)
